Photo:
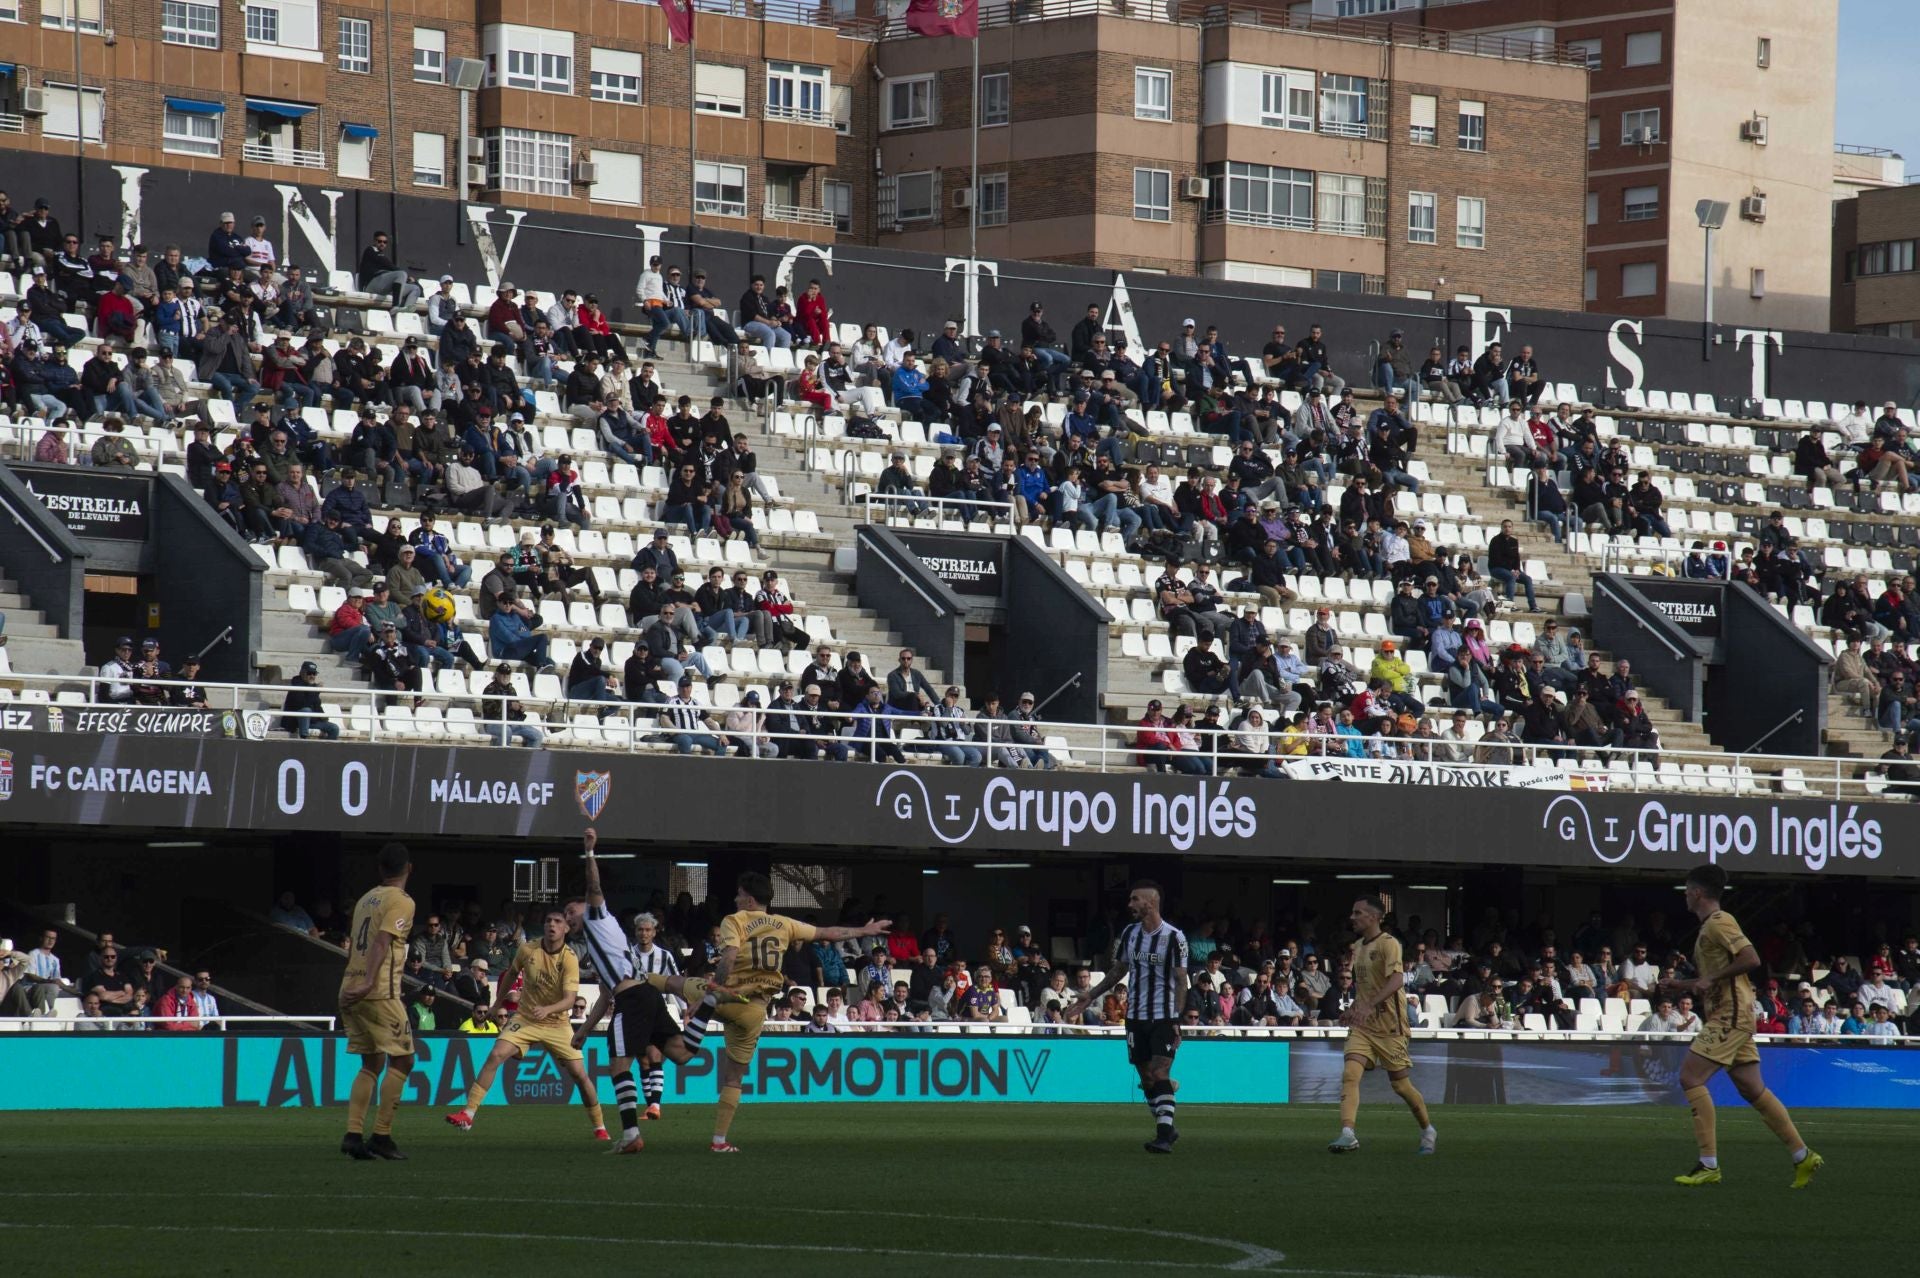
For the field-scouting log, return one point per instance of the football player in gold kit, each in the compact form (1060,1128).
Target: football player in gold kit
(1722,958)
(378,1031)
(1377,1029)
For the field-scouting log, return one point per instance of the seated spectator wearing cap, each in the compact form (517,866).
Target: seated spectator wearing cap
(226,247)
(1038,335)
(803,728)
(1504,563)
(389,662)
(348,630)
(513,633)
(1393,369)
(871,731)
(502,714)
(378,274)
(687,722)
(326,552)
(1023,730)
(301,713)
(952,732)
(589,678)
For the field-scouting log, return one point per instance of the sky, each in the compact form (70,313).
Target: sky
(1879,48)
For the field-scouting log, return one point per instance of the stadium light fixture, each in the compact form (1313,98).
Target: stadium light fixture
(1293,882)
(1426,887)
(930,872)
(691,865)
(1712,215)
(1004,865)
(617,856)
(1358,878)
(177,843)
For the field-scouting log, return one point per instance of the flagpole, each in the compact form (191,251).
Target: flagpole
(973,205)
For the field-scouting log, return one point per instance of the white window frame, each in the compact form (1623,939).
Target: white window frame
(720,179)
(263,24)
(1472,119)
(837,199)
(429,55)
(1340,204)
(353,158)
(59,14)
(284,29)
(843,109)
(996,102)
(1423,217)
(529,58)
(1639,119)
(907,102)
(927,213)
(431,146)
(1344,109)
(1260,189)
(353,46)
(186,22)
(1156,204)
(184,133)
(1470,222)
(1423,119)
(1650,271)
(990,199)
(1288,99)
(604,161)
(530,161)
(82,99)
(1153,94)
(1640,204)
(719,89)
(615,75)
(1640,44)
(799,92)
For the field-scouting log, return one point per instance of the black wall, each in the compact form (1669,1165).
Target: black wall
(1665,659)
(1772,671)
(553,251)
(206,579)
(890,579)
(1054,632)
(56,585)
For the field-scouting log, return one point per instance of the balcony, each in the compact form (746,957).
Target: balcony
(800,115)
(293,157)
(1248,217)
(797,214)
(10,123)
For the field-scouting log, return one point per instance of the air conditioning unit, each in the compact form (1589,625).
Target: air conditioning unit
(1754,208)
(585,172)
(476,174)
(1642,137)
(476,148)
(963,198)
(33,100)
(1195,188)
(1754,130)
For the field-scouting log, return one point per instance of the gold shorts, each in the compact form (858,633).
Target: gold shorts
(1380,1051)
(1726,1046)
(742,1022)
(377,1027)
(555,1036)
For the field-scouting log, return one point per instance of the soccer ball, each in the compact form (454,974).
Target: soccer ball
(437,606)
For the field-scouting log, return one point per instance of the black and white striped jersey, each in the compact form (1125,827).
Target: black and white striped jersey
(1151,958)
(607,945)
(658,959)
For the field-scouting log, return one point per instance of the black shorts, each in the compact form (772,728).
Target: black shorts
(1148,1039)
(640,1020)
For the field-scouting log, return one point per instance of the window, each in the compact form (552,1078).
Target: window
(1422,217)
(990,201)
(60,13)
(843,109)
(530,161)
(996,101)
(429,159)
(909,102)
(1640,204)
(614,76)
(1261,195)
(1898,328)
(1343,105)
(528,58)
(1473,125)
(1343,204)
(916,197)
(1348,282)
(429,55)
(1643,48)
(1639,279)
(356,152)
(185,22)
(1286,100)
(1423,119)
(1592,285)
(616,177)
(1886,257)
(263,25)
(798,92)
(1152,94)
(1420,294)
(356,46)
(1593,133)
(1757,282)
(720,189)
(191,132)
(1152,195)
(1588,49)
(67,108)
(838,197)
(1763,53)
(1469,223)
(719,90)
(284,24)
(1593,208)
(1640,127)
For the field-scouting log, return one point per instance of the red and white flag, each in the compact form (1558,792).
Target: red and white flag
(679,19)
(943,18)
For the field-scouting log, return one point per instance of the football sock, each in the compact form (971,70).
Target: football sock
(358,1100)
(696,1027)
(625,1095)
(475,1095)
(653,1081)
(723,1113)
(1406,1091)
(1779,1122)
(392,1084)
(593,1112)
(1160,1100)
(1350,1092)
(1703,1133)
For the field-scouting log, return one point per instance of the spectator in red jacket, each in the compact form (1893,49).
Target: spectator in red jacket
(811,314)
(505,311)
(180,1001)
(114,313)
(592,332)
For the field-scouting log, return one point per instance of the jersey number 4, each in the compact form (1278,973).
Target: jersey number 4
(364,935)
(766,953)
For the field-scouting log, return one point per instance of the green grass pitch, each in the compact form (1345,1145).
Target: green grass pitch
(947,1189)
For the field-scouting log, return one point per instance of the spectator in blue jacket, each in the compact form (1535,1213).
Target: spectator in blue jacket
(1032,490)
(326,552)
(226,247)
(512,634)
(873,730)
(347,504)
(910,389)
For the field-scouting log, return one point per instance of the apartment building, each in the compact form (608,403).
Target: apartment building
(579,106)
(1691,100)
(1254,144)
(1876,289)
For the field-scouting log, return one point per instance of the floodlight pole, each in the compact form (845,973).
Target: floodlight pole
(1706,293)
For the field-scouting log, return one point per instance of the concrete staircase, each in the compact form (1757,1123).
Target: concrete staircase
(33,644)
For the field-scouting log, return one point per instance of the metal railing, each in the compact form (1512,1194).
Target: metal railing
(293,157)
(798,214)
(994,514)
(154,1022)
(819,117)
(1272,221)
(11,123)
(640,726)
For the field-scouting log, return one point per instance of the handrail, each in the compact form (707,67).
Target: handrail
(53,556)
(1795,717)
(905,579)
(968,507)
(1601,585)
(152,1021)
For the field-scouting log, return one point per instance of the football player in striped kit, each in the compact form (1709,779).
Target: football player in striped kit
(650,959)
(1151,957)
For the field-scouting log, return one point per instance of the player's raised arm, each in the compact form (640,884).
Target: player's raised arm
(1115,972)
(589,839)
(874,927)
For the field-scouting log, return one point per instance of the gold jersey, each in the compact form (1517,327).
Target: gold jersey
(1374,964)
(384,910)
(1728,1004)
(760,941)
(547,979)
